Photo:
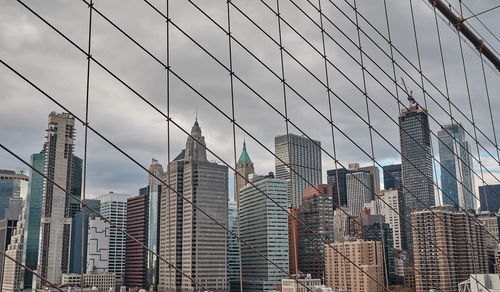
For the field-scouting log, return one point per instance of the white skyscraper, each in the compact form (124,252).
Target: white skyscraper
(55,229)
(304,157)
(13,274)
(359,191)
(113,207)
(393,198)
(98,245)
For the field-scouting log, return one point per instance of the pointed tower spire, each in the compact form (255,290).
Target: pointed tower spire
(244,157)
(195,144)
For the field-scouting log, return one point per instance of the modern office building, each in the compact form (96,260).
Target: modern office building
(443,231)
(244,167)
(392,177)
(264,225)
(135,276)
(79,239)
(457,181)
(188,238)
(491,226)
(293,240)
(154,197)
(392,210)
(104,237)
(317,213)
(416,166)
(233,250)
(12,185)
(363,272)
(360,189)
(489,196)
(33,207)
(337,179)
(12,272)
(57,207)
(98,246)
(303,156)
(7,228)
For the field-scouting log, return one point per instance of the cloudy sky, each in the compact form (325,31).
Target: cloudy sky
(59,68)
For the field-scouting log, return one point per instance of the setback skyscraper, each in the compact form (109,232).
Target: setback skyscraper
(457,182)
(304,157)
(7,228)
(12,272)
(416,166)
(57,208)
(189,239)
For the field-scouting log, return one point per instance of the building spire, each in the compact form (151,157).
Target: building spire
(195,144)
(244,157)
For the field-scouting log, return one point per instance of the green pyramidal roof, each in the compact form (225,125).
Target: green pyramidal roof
(244,158)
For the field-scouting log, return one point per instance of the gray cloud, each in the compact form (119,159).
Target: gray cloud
(51,62)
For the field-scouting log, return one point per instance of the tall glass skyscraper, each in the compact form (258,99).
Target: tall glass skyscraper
(392,177)
(416,166)
(10,192)
(33,213)
(337,179)
(457,183)
(490,198)
(304,156)
(233,249)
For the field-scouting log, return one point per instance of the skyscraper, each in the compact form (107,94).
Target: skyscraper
(392,177)
(33,209)
(12,272)
(233,250)
(11,184)
(7,228)
(304,157)
(363,272)
(391,210)
(457,182)
(489,196)
(244,166)
(188,238)
(55,229)
(135,255)
(264,225)
(416,166)
(154,189)
(491,225)
(444,231)
(317,213)
(103,236)
(360,189)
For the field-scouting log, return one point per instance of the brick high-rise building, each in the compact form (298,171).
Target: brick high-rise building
(317,213)
(136,255)
(366,259)
(448,247)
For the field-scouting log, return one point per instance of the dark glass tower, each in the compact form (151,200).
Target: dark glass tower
(392,177)
(416,166)
(340,191)
(490,198)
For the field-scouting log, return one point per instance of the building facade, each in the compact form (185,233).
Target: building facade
(304,157)
(79,239)
(416,166)
(491,225)
(444,231)
(188,238)
(12,185)
(457,181)
(264,225)
(391,210)
(103,237)
(359,190)
(135,276)
(365,261)
(233,249)
(392,177)
(57,207)
(317,213)
(244,167)
(337,179)
(154,197)
(489,196)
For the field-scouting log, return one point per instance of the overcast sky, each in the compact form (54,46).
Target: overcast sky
(51,62)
